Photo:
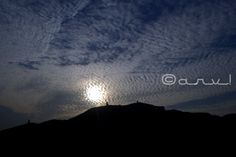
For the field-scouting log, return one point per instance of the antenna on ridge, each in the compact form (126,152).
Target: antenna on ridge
(107,104)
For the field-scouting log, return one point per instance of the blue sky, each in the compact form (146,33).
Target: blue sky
(50,51)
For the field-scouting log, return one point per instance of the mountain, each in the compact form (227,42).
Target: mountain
(132,122)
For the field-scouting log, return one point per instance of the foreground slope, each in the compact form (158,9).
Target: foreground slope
(133,122)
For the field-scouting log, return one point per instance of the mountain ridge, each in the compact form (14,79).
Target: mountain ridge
(137,120)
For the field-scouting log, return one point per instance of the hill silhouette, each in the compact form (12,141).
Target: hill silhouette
(134,122)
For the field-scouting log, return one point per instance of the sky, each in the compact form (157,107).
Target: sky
(59,58)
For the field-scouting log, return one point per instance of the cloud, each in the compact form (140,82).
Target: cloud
(172,33)
(96,36)
(34,84)
(188,38)
(217,104)
(59,104)
(31,65)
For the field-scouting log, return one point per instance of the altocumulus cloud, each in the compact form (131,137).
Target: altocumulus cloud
(51,48)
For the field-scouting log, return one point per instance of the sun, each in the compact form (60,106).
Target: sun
(95,93)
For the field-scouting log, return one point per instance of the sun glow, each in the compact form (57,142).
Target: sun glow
(95,93)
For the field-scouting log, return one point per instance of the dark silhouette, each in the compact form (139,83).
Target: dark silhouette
(107,104)
(130,122)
